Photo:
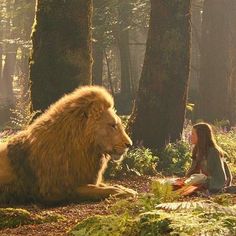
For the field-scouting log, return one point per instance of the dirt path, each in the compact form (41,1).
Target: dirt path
(73,212)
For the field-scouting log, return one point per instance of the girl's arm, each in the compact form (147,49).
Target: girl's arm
(194,169)
(216,173)
(228,174)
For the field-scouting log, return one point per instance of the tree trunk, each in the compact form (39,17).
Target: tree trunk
(123,99)
(97,63)
(99,22)
(61,57)
(214,64)
(0,66)
(8,73)
(24,67)
(159,111)
(232,85)
(196,8)
(123,45)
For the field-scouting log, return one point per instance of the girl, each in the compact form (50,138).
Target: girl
(208,159)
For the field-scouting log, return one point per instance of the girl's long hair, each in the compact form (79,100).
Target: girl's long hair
(206,140)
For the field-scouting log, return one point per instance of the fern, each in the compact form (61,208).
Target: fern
(204,206)
(163,192)
(187,223)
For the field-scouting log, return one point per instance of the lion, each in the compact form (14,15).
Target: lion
(63,154)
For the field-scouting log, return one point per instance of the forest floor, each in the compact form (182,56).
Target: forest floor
(73,212)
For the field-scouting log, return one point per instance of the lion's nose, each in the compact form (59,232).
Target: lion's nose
(127,141)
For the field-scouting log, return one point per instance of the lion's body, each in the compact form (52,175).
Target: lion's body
(60,151)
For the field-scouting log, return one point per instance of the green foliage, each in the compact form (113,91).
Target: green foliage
(159,213)
(175,159)
(226,140)
(163,192)
(224,199)
(206,206)
(130,206)
(152,223)
(138,161)
(190,107)
(105,226)
(187,218)
(11,218)
(187,223)
(160,193)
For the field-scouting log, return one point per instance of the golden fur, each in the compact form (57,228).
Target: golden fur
(65,151)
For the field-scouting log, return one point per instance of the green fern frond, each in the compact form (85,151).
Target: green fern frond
(208,207)
(163,192)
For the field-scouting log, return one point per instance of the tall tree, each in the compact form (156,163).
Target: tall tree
(24,12)
(8,73)
(9,52)
(196,15)
(124,10)
(61,56)
(232,83)
(214,62)
(99,25)
(124,97)
(159,110)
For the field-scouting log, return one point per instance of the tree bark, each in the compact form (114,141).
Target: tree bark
(232,85)
(123,45)
(61,56)
(159,110)
(196,8)
(99,23)
(0,67)
(214,63)
(97,63)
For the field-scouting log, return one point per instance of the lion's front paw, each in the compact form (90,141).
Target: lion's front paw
(125,192)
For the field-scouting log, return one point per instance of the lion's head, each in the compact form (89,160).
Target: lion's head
(110,136)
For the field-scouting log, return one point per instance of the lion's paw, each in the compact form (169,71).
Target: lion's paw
(125,192)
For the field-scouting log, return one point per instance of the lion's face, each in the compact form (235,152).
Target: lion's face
(110,135)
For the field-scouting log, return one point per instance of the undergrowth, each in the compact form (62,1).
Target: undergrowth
(162,212)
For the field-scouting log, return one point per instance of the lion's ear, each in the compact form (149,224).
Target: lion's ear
(95,111)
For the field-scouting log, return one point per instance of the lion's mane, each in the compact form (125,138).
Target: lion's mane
(55,154)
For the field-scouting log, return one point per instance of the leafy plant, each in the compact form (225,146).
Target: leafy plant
(163,192)
(187,218)
(226,141)
(105,226)
(187,223)
(206,206)
(137,161)
(175,159)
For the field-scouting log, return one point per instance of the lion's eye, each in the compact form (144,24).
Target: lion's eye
(114,126)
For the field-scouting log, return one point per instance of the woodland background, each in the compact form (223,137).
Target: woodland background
(168,64)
